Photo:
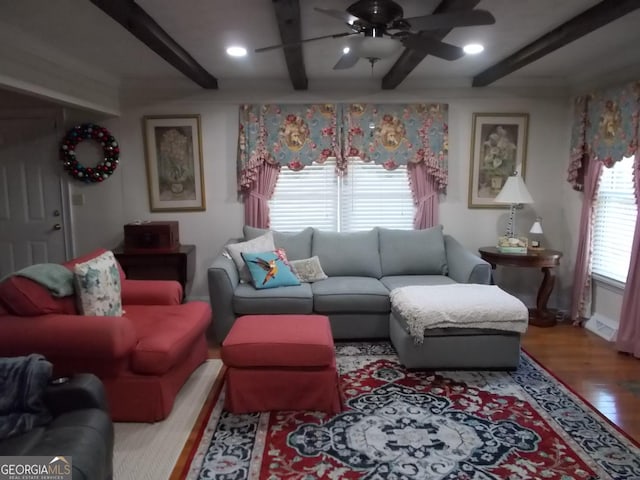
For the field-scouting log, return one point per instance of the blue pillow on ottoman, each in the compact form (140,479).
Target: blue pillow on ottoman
(270,269)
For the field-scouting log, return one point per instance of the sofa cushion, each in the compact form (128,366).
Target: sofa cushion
(344,254)
(248,300)
(398,281)
(26,298)
(350,294)
(165,334)
(279,341)
(270,269)
(263,243)
(98,286)
(296,244)
(413,252)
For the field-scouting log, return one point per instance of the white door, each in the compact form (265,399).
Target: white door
(31,216)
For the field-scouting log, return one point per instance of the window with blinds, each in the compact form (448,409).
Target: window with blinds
(368,196)
(614,221)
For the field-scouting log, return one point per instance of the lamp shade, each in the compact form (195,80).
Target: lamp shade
(514,191)
(536,227)
(374,47)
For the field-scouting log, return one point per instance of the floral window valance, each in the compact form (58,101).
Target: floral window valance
(612,128)
(605,128)
(395,134)
(284,135)
(579,147)
(295,136)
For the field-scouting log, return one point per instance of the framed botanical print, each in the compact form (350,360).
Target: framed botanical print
(173,152)
(498,149)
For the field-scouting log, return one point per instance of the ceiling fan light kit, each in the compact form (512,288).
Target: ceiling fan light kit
(378,29)
(374,47)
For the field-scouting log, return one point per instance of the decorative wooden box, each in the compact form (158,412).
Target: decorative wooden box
(151,236)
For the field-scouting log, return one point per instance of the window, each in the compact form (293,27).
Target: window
(614,221)
(368,196)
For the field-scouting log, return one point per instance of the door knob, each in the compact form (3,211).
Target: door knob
(57,226)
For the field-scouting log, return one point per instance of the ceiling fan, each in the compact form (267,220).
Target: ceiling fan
(378,29)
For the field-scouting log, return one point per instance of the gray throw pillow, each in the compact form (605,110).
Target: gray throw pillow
(259,244)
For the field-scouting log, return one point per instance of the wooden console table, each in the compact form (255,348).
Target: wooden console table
(179,264)
(544,259)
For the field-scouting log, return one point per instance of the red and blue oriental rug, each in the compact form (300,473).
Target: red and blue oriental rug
(403,425)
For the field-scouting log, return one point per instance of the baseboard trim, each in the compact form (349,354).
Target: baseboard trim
(602,326)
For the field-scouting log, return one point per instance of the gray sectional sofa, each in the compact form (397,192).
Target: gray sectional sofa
(363,267)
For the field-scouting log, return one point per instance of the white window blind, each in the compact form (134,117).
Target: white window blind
(375,197)
(366,197)
(306,198)
(614,221)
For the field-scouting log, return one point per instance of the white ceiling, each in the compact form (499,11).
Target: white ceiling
(84,34)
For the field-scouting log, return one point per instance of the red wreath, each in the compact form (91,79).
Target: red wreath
(110,149)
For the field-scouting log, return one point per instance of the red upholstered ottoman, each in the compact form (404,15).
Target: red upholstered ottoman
(281,362)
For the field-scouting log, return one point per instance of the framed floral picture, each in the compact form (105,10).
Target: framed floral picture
(173,153)
(498,149)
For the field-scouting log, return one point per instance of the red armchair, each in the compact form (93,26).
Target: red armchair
(143,358)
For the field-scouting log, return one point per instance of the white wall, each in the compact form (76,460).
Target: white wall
(123,197)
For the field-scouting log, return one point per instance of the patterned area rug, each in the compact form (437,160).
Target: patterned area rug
(401,424)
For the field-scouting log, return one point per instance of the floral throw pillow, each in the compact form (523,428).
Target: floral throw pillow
(98,286)
(308,270)
(270,269)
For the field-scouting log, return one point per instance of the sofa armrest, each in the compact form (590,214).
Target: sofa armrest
(83,390)
(76,336)
(151,292)
(464,266)
(223,279)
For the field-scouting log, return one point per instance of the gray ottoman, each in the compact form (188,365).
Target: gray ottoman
(453,347)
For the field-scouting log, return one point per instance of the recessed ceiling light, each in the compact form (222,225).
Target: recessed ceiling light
(473,48)
(346,50)
(236,51)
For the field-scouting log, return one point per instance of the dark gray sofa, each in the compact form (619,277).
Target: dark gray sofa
(81,428)
(363,267)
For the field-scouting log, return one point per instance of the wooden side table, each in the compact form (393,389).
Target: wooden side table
(177,265)
(544,259)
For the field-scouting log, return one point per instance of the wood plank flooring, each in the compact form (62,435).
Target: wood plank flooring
(589,365)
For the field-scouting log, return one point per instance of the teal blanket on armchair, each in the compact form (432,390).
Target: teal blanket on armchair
(57,278)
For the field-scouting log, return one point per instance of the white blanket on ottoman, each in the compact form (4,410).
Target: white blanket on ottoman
(459,306)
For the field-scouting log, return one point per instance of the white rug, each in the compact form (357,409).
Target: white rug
(150,450)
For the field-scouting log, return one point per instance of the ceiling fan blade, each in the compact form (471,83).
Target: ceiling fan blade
(340,15)
(347,60)
(432,46)
(439,21)
(284,45)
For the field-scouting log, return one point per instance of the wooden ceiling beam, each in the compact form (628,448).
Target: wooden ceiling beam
(579,26)
(132,17)
(410,59)
(288,16)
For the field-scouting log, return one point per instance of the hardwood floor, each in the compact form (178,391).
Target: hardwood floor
(589,365)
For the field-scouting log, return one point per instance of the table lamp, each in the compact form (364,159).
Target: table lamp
(514,192)
(536,229)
